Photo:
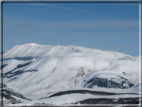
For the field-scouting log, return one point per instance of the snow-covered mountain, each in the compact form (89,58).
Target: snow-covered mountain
(40,69)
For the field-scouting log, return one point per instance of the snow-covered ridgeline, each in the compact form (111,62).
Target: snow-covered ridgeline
(36,50)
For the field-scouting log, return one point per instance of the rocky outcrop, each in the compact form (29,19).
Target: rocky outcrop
(119,82)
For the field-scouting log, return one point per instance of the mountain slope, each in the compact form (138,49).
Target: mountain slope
(40,69)
(12,97)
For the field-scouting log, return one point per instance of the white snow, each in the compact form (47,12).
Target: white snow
(35,50)
(72,98)
(65,68)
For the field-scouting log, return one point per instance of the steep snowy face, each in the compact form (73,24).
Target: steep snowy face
(58,68)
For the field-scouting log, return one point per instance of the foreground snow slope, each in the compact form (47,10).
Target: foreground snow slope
(12,97)
(72,98)
(41,69)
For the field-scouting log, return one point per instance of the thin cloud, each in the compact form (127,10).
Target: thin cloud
(71,25)
(87,24)
(61,7)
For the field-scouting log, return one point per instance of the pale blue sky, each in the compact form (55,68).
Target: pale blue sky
(107,26)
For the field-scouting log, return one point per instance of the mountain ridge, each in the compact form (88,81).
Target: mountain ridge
(32,49)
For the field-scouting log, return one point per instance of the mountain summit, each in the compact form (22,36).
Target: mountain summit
(35,50)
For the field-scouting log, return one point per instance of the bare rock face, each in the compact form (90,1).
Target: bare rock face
(119,82)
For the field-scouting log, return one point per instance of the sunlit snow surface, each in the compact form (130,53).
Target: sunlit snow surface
(50,69)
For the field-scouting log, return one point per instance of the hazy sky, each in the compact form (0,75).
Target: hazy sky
(107,26)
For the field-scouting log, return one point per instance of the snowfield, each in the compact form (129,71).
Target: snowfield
(34,69)
(71,98)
